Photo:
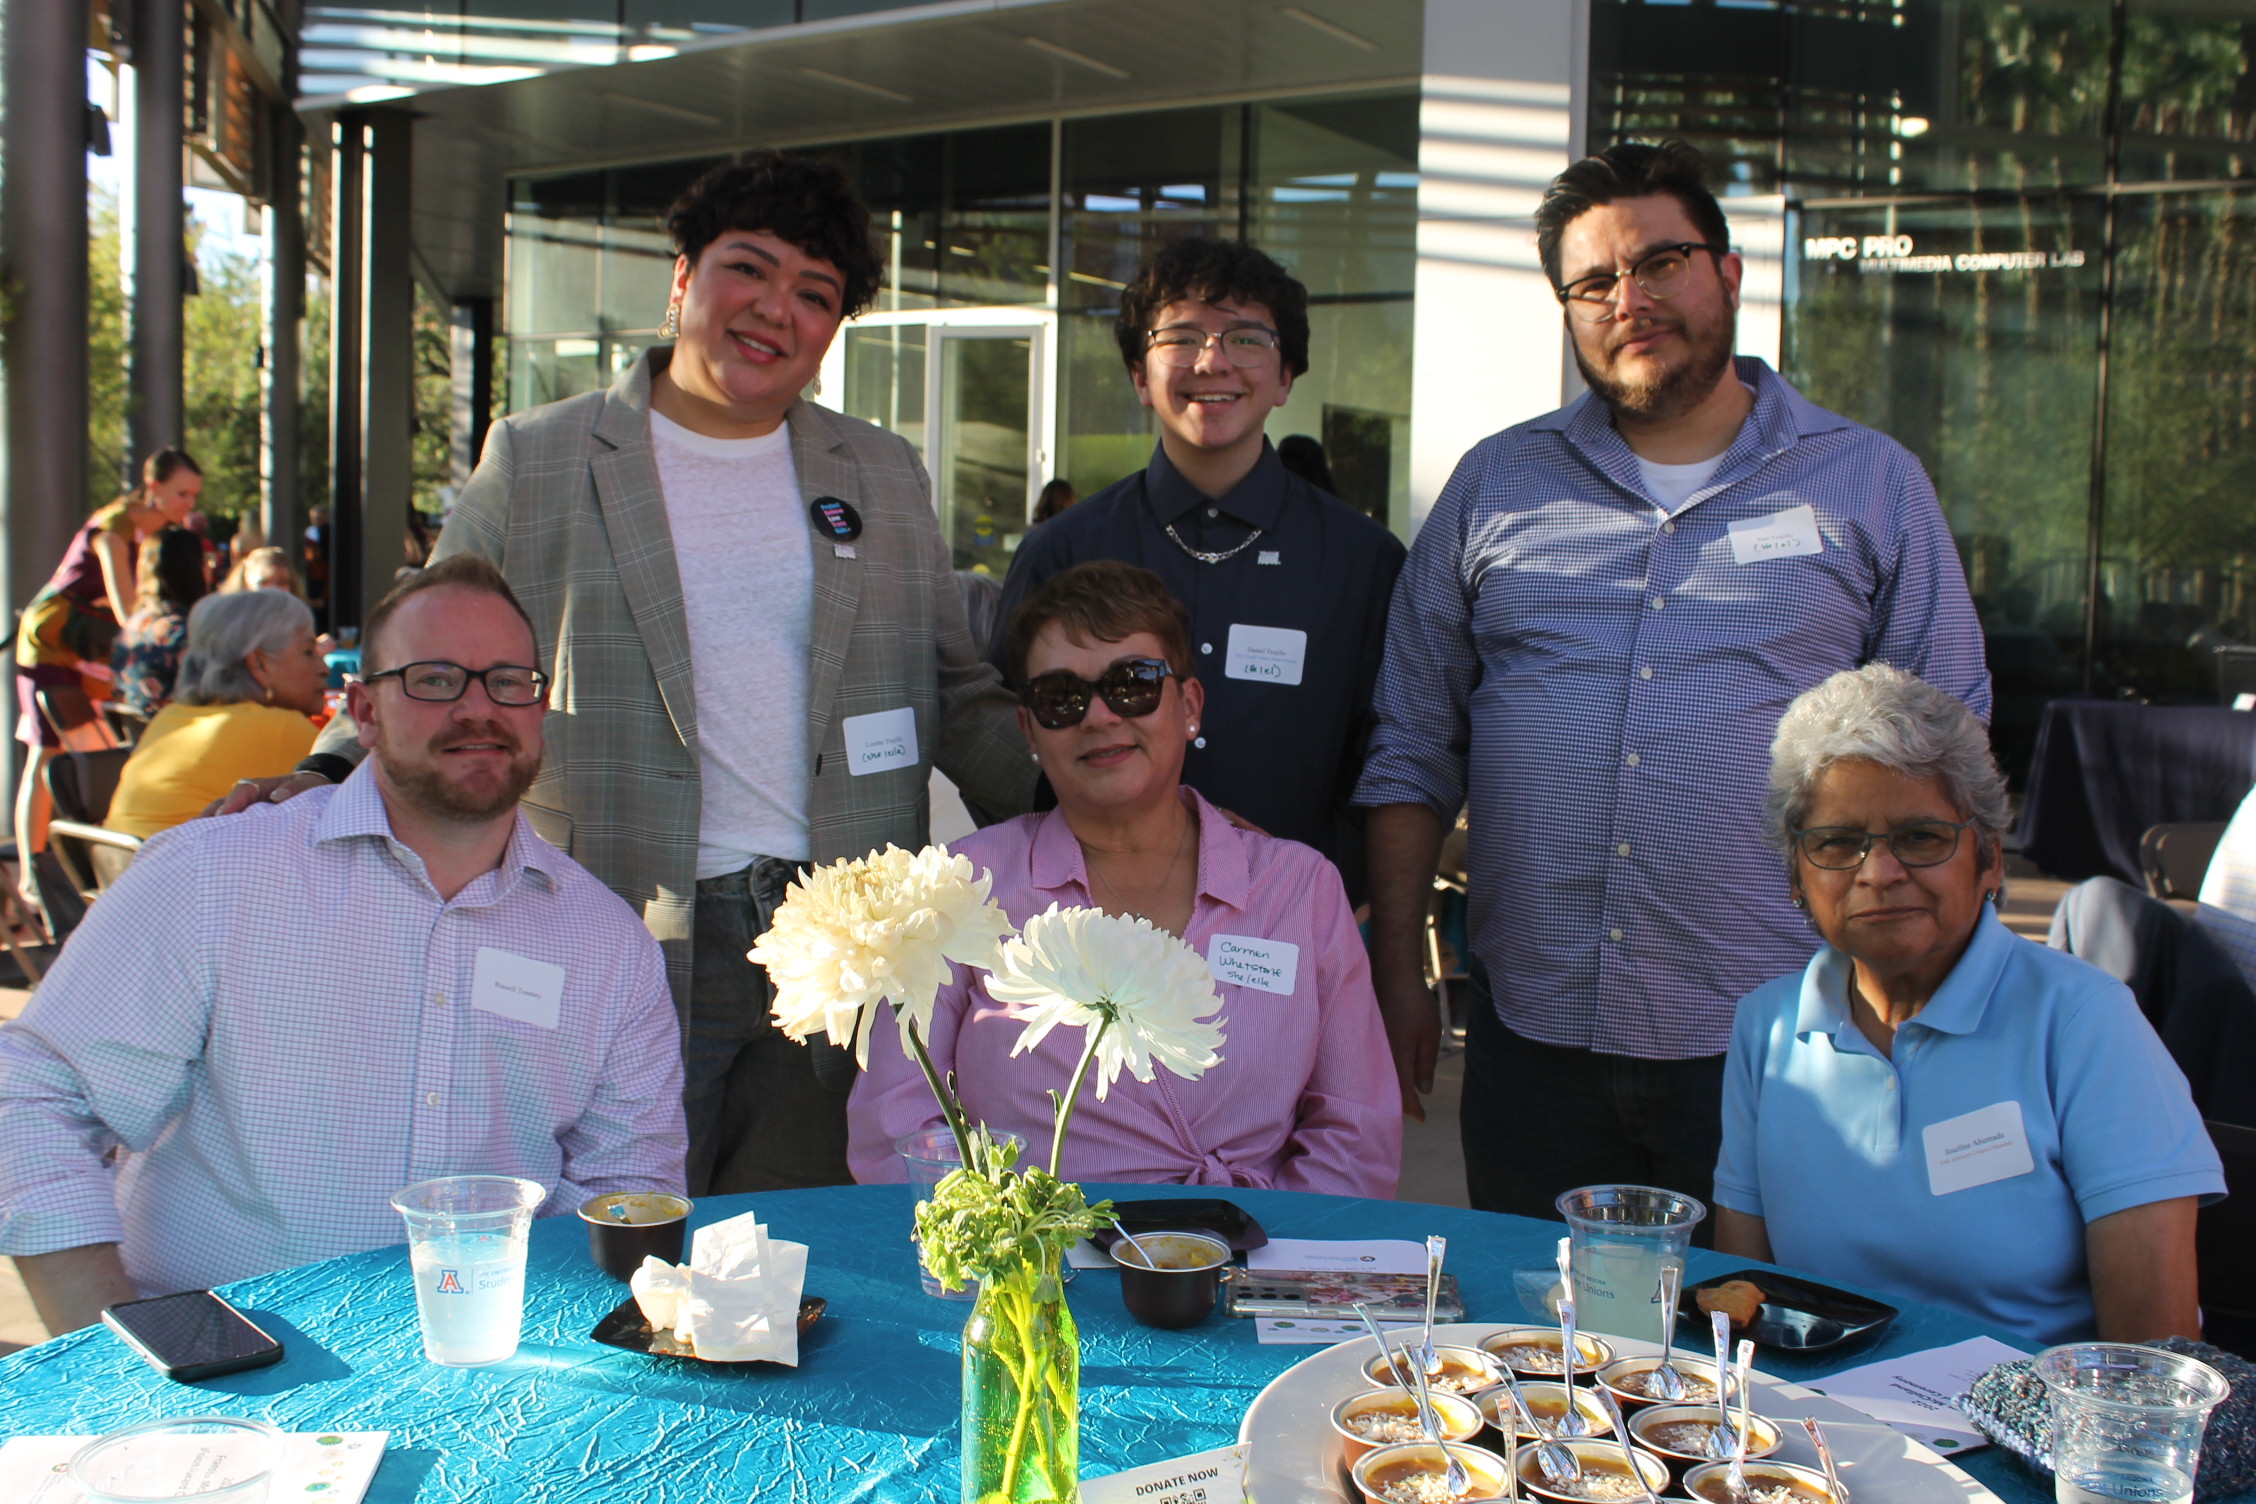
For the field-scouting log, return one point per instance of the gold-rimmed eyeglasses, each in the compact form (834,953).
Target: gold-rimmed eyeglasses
(1663,272)
(1183,344)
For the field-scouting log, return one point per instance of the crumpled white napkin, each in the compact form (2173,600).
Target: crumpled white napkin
(736,1300)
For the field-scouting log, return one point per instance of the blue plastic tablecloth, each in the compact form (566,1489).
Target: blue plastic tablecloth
(870,1413)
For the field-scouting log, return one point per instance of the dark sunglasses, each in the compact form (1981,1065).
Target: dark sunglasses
(1130,688)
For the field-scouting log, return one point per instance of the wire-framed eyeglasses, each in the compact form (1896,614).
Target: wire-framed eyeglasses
(1843,848)
(1183,344)
(505,683)
(1663,272)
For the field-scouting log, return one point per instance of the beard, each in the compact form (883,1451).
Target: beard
(423,784)
(1666,394)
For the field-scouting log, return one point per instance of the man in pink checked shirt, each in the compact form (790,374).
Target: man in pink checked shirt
(1304,1098)
(277,1020)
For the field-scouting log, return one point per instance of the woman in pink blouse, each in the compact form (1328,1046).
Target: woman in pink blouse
(1304,1099)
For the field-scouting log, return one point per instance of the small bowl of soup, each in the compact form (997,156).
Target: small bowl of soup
(1681,1433)
(1548,1401)
(1767,1483)
(1537,1352)
(1464,1370)
(1605,1479)
(1631,1381)
(1389,1418)
(1419,1474)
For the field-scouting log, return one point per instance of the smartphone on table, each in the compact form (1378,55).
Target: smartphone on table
(196,1335)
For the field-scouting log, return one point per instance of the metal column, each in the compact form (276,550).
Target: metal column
(347,218)
(281,502)
(160,245)
(372,347)
(471,346)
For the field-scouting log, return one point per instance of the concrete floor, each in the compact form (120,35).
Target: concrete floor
(1433,1164)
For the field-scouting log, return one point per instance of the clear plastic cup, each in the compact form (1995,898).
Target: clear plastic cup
(202,1459)
(466,1246)
(1623,1236)
(2126,1421)
(929,1155)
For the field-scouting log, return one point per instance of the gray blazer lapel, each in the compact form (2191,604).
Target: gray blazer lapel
(826,469)
(642,545)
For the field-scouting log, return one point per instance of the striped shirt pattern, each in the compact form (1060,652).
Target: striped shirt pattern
(271,1017)
(1599,677)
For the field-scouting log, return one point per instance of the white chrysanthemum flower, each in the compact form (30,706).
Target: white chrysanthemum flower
(1087,968)
(880,929)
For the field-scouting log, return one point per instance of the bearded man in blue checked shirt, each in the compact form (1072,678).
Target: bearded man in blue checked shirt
(276,1021)
(1591,644)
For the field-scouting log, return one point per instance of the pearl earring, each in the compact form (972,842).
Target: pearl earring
(671,329)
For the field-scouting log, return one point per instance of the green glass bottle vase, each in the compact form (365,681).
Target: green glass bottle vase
(1022,1390)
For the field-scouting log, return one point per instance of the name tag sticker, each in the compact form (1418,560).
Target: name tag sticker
(1272,655)
(1243,961)
(885,739)
(1782,535)
(1976,1149)
(516,987)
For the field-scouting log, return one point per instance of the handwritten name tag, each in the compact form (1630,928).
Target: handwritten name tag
(516,987)
(1243,961)
(885,739)
(1782,535)
(1273,655)
(1976,1149)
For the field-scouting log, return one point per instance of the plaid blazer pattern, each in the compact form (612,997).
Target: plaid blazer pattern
(566,503)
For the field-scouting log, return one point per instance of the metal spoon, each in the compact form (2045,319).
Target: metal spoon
(1435,1248)
(1130,1239)
(1558,1464)
(1571,1423)
(1825,1456)
(1621,1434)
(1746,1421)
(1401,1379)
(1663,1381)
(1724,1439)
(1460,1482)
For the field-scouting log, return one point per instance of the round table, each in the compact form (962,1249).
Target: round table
(870,1413)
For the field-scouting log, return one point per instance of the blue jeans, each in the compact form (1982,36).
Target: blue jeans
(759,1120)
(1538,1120)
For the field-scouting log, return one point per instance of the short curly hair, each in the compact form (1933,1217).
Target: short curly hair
(1203,268)
(1103,600)
(804,200)
(1632,169)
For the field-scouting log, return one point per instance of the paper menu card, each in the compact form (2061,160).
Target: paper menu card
(330,1465)
(1378,1256)
(1917,1393)
(1216,1477)
(1320,1331)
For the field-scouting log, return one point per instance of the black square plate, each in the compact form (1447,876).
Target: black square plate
(1225,1219)
(1797,1315)
(626,1328)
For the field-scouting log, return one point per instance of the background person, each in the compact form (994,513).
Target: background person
(1057,495)
(1601,622)
(264,569)
(1304,1099)
(145,659)
(1286,586)
(1856,1085)
(280,1071)
(248,682)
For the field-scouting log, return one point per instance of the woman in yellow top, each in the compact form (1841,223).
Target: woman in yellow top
(248,682)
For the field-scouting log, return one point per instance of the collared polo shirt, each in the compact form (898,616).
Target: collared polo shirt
(1283,754)
(1827,1141)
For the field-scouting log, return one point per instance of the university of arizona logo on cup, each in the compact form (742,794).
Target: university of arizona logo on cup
(450,1283)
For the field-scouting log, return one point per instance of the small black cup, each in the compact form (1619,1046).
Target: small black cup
(655,1231)
(1181,1291)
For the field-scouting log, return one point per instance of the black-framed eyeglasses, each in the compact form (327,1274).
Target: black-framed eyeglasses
(1843,848)
(505,683)
(1130,688)
(1183,344)
(1663,272)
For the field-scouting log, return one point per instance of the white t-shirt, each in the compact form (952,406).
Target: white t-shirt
(1672,485)
(745,549)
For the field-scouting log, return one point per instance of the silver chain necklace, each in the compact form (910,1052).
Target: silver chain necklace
(1205,557)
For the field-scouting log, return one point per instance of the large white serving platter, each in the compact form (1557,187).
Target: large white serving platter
(1292,1455)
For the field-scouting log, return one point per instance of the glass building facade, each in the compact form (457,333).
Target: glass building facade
(2022,240)
(992,346)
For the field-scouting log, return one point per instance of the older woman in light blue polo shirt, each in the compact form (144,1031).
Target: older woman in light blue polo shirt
(1934,1107)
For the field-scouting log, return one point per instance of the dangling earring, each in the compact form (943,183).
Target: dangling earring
(671,329)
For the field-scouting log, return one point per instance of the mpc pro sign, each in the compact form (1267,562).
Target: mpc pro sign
(1901,254)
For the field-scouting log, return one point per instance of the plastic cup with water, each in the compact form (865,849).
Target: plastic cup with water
(928,1156)
(2126,1421)
(466,1247)
(1623,1235)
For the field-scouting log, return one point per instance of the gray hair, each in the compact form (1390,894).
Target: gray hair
(223,631)
(1882,715)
